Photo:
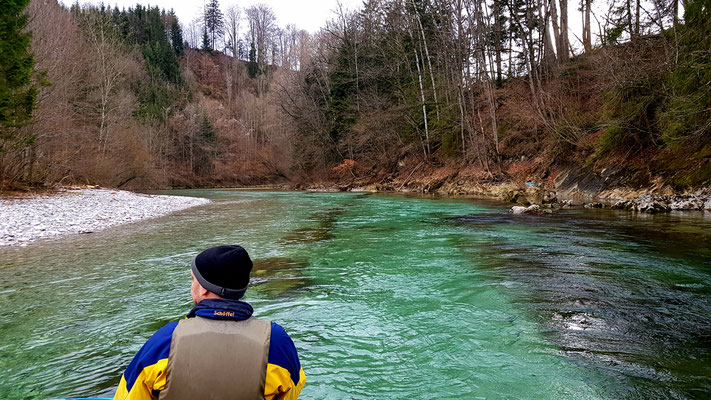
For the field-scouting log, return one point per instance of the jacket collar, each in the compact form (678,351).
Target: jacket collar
(222,309)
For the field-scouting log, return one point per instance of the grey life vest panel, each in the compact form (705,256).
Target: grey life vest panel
(217,359)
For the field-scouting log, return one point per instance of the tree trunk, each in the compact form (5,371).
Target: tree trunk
(564,42)
(554,23)
(422,97)
(587,32)
(636,18)
(549,56)
(629,18)
(429,61)
(498,29)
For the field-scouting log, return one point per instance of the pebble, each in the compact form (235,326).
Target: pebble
(81,211)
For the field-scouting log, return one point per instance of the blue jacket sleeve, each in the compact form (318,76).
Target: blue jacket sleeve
(145,375)
(285,377)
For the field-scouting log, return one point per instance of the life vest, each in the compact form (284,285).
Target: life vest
(217,359)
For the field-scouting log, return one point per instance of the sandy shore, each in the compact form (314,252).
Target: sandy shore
(81,211)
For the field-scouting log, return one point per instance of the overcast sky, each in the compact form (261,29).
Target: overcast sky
(310,14)
(305,14)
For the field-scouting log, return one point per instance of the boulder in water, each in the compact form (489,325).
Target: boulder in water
(532,209)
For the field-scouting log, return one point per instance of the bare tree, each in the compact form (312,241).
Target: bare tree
(426,146)
(261,21)
(233,18)
(193,33)
(109,71)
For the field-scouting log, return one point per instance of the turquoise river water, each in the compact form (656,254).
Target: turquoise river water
(385,296)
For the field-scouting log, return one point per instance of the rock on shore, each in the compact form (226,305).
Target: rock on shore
(655,203)
(81,211)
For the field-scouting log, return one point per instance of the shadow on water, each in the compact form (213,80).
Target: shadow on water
(321,232)
(279,277)
(629,297)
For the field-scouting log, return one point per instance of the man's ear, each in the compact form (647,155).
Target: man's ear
(204,292)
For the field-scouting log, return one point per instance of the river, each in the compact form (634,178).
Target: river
(385,296)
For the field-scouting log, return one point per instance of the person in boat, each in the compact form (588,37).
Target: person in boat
(219,351)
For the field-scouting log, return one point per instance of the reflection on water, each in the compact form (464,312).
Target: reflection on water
(385,296)
(624,293)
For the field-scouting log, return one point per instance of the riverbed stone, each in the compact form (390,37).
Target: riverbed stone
(81,211)
(532,209)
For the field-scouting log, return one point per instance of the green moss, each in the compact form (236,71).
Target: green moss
(630,113)
(704,153)
(658,107)
(684,116)
(698,178)
(502,130)
(684,167)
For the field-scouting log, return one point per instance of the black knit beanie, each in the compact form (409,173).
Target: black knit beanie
(223,270)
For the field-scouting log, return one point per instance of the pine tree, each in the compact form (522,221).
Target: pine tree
(159,53)
(206,40)
(240,49)
(176,35)
(17,92)
(252,67)
(214,22)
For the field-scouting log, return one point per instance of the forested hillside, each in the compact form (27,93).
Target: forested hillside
(397,93)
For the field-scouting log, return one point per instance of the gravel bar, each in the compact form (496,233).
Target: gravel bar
(81,211)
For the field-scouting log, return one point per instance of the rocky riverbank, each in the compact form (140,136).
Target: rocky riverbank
(24,220)
(573,187)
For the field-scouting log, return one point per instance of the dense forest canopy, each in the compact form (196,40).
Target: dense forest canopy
(134,97)
(17,92)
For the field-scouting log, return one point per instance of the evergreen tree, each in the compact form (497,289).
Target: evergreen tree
(214,22)
(17,93)
(206,40)
(240,49)
(252,67)
(149,31)
(176,35)
(205,152)
(498,37)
